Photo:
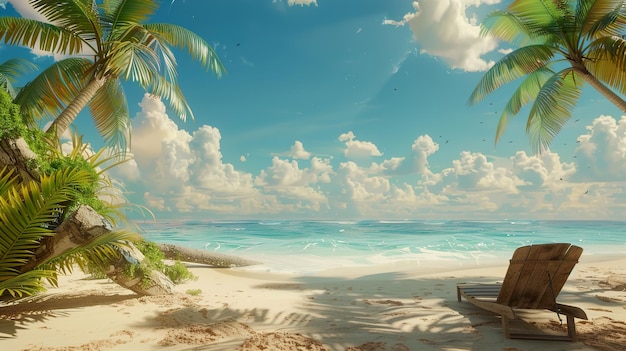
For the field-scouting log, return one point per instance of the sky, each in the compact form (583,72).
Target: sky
(353,109)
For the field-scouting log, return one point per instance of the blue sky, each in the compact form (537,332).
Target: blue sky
(354,109)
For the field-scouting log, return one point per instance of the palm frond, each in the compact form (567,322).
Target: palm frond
(11,69)
(505,26)
(76,16)
(53,89)
(7,180)
(122,12)
(552,108)
(611,73)
(34,34)
(26,284)
(133,61)
(518,63)
(25,212)
(525,94)
(601,17)
(171,92)
(109,110)
(607,58)
(102,250)
(182,38)
(539,13)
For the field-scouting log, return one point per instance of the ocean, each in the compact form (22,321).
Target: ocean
(312,246)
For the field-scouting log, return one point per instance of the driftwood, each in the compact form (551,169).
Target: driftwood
(218,260)
(83,226)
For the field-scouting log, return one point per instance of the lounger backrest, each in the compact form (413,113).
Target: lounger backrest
(536,275)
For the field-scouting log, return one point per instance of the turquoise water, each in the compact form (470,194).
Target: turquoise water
(308,246)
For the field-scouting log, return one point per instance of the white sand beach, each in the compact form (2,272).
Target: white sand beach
(396,307)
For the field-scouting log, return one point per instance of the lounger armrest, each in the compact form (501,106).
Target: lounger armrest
(571,310)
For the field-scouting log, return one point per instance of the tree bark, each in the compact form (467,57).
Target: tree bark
(15,154)
(63,121)
(218,260)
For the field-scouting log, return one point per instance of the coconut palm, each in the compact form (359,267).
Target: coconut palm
(563,44)
(108,41)
(10,70)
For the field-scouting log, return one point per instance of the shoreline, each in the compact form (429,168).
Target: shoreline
(389,307)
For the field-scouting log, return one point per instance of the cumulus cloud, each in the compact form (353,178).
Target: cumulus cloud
(356,148)
(179,171)
(443,29)
(297,151)
(183,171)
(601,153)
(286,179)
(541,170)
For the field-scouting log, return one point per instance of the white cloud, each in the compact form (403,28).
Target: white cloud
(601,154)
(443,29)
(178,171)
(541,170)
(357,148)
(181,171)
(423,147)
(26,10)
(473,172)
(285,179)
(297,151)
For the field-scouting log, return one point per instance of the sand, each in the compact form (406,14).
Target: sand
(396,307)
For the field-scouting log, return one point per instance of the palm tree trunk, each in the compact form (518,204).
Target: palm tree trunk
(601,88)
(63,121)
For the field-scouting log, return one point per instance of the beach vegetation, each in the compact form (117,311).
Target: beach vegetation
(27,209)
(563,44)
(105,42)
(30,209)
(154,259)
(193,292)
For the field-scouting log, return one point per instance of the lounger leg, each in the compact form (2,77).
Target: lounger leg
(571,327)
(458,293)
(505,327)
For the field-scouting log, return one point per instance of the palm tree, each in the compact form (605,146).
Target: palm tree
(10,70)
(108,41)
(563,44)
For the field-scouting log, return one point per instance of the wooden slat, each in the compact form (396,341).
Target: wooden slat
(512,274)
(561,274)
(537,283)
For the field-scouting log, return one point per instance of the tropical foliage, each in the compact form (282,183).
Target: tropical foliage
(30,209)
(26,211)
(11,70)
(108,41)
(562,45)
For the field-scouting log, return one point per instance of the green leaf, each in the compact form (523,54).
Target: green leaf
(109,110)
(552,108)
(515,65)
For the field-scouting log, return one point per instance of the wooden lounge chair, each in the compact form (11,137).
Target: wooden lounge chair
(535,276)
